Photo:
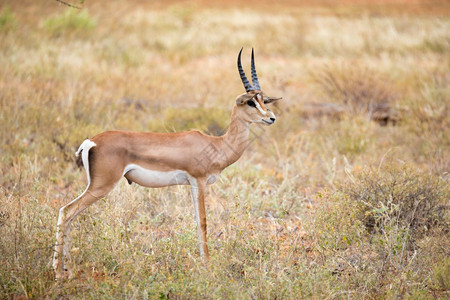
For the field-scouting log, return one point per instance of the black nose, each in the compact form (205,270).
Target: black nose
(272,119)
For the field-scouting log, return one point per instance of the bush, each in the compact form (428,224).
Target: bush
(401,198)
(382,228)
(336,223)
(360,91)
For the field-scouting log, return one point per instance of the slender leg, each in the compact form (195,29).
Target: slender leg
(198,186)
(66,215)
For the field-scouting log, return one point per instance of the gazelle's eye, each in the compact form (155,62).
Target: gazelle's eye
(251,103)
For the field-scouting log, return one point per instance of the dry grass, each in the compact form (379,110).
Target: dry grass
(287,220)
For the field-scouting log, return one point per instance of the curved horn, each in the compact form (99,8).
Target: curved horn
(254,76)
(248,87)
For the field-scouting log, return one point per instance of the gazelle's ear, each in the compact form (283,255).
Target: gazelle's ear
(242,99)
(268,100)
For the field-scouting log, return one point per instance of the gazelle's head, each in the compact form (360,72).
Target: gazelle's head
(252,104)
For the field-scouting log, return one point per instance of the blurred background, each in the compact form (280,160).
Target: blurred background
(346,195)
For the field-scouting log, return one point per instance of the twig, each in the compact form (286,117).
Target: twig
(68,4)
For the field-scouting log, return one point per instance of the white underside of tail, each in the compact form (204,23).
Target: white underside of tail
(84,149)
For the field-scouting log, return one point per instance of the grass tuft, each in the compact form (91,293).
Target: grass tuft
(72,21)
(360,91)
(8,20)
(297,216)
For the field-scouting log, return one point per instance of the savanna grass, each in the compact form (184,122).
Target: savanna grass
(287,220)
(8,20)
(71,21)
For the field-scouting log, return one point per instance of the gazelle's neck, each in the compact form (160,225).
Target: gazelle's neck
(236,139)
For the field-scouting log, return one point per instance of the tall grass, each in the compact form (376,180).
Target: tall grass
(71,21)
(326,203)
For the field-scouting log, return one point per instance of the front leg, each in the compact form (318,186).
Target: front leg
(198,187)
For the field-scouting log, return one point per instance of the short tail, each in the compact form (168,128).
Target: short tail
(82,155)
(86,145)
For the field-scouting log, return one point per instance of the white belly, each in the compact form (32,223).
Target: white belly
(150,178)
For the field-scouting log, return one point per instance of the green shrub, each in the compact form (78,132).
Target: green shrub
(71,21)
(7,19)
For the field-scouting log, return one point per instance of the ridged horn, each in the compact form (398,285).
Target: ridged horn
(248,87)
(254,76)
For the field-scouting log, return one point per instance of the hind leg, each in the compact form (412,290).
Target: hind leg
(66,215)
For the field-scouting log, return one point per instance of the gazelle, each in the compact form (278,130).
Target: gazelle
(164,159)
